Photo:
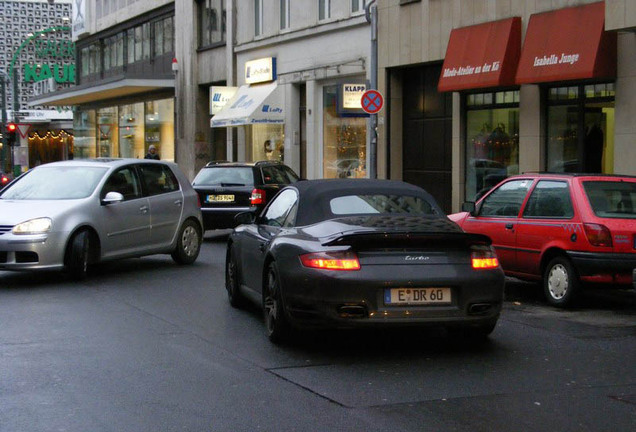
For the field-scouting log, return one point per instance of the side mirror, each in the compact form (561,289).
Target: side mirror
(245,218)
(112,197)
(469,207)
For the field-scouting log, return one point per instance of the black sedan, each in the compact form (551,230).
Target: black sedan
(362,253)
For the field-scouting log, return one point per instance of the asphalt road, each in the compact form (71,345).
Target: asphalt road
(146,345)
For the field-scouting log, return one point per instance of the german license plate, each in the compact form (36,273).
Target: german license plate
(417,296)
(220,198)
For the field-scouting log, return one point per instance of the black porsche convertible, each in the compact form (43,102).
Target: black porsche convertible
(362,253)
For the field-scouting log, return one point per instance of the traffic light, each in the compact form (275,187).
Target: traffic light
(12,134)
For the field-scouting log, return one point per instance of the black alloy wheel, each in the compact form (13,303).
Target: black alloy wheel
(231,279)
(277,326)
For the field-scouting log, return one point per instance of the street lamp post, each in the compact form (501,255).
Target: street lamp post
(3,98)
(371,14)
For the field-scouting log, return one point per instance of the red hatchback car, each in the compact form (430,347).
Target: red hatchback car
(563,229)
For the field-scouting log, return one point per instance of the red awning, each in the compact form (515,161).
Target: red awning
(568,44)
(483,55)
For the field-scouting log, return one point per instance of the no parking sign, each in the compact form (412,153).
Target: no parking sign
(372,101)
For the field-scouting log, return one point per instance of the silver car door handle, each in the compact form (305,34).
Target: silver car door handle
(178,203)
(143,209)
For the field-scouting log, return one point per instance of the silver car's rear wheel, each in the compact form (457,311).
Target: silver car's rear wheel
(188,243)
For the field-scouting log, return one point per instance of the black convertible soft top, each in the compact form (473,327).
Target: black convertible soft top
(314,195)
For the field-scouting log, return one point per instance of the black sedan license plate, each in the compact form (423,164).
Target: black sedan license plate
(417,296)
(220,198)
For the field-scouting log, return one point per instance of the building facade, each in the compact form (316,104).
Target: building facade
(478,90)
(319,53)
(162,72)
(37,55)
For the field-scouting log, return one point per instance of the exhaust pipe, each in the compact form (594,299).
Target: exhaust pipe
(479,308)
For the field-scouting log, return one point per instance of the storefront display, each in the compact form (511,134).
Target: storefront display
(581,128)
(126,131)
(492,147)
(344,140)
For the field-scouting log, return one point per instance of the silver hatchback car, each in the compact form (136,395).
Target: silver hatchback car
(70,214)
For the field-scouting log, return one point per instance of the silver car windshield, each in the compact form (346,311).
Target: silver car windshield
(55,183)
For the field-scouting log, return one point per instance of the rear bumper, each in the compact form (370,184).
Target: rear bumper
(356,299)
(605,267)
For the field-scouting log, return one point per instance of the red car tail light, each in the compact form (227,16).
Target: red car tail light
(257,197)
(4,180)
(598,235)
(331,260)
(483,258)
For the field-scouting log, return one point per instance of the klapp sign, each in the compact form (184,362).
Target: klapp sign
(352,95)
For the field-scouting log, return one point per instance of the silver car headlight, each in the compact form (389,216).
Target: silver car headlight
(33,226)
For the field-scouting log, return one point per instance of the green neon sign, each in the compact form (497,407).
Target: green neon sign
(58,50)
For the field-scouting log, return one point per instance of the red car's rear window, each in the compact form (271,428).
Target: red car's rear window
(612,199)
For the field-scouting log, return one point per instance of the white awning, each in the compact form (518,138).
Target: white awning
(252,104)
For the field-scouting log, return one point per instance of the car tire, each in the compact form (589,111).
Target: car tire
(231,279)
(77,256)
(276,324)
(188,243)
(560,282)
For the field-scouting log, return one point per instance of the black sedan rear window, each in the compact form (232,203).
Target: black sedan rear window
(225,176)
(612,199)
(373,204)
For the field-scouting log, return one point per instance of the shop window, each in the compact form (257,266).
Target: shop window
(345,140)
(85,137)
(131,138)
(159,127)
(492,134)
(268,142)
(107,136)
(580,128)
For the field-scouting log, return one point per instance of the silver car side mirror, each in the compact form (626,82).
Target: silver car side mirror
(112,197)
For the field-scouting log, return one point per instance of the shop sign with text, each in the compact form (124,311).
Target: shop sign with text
(55,59)
(350,99)
(260,70)
(219,95)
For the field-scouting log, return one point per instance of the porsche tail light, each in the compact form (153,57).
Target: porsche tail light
(598,235)
(257,197)
(483,258)
(331,260)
